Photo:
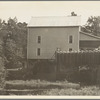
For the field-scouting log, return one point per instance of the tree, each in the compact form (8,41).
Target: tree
(93,25)
(14,41)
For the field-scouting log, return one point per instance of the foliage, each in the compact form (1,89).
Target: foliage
(2,73)
(13,34)
(62,88)
(12,46)
(2,67)
(92,26)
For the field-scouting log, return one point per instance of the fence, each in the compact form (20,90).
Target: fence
(72,62)
(76,59)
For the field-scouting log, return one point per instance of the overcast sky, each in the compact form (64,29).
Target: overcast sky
(23,10)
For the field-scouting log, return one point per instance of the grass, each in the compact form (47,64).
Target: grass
(38,84)
(86,91)
(61,88)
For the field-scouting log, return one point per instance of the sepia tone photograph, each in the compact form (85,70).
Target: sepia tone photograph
(50,48)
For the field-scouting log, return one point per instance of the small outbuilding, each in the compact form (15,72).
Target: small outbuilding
(88,41)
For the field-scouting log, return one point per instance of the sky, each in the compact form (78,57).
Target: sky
(24,10)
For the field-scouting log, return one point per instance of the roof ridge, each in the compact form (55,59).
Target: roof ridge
(55,21)
(53,16)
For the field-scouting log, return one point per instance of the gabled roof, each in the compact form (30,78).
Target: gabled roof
(46,21)
(88,34)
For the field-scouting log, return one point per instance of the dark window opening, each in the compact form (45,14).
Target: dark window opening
(39,39)
(38,51)
(70,49)
(70,39)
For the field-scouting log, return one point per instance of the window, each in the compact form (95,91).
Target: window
(38,52)
(70,49)
(70,39)
(39,39)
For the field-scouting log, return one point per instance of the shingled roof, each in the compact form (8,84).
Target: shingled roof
(46,21)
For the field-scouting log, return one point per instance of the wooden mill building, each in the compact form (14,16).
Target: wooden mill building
(48,34)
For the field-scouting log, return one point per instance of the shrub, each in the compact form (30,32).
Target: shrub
(2,75)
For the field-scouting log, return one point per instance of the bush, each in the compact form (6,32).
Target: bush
(2,75)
